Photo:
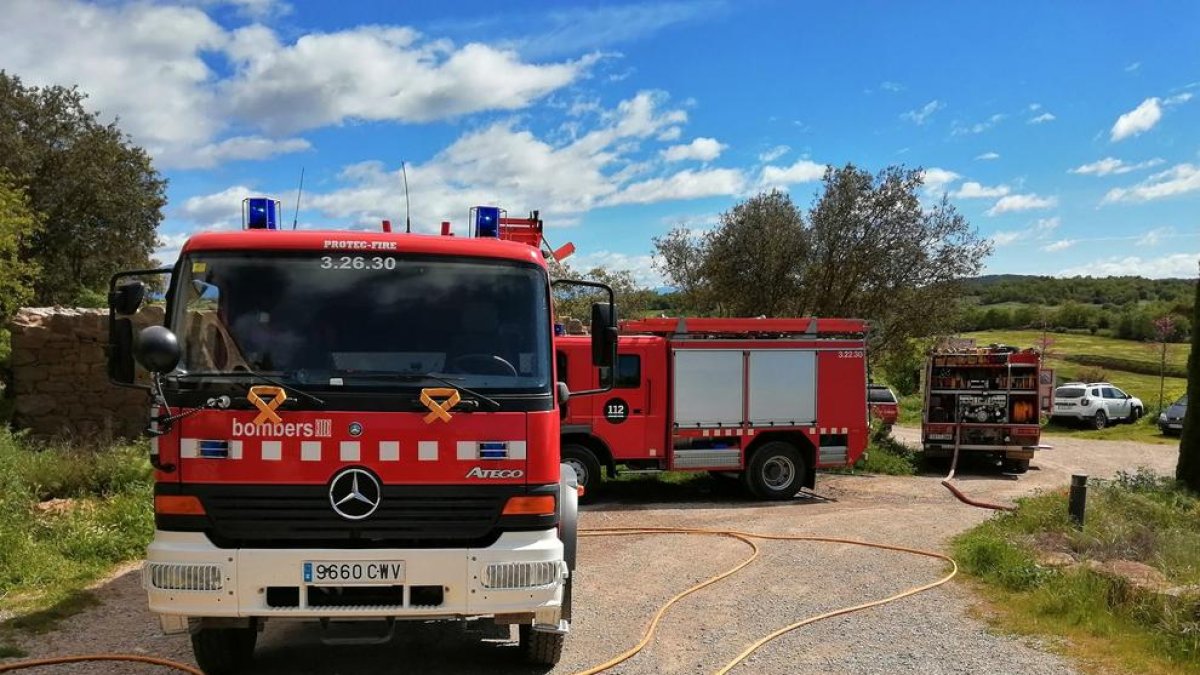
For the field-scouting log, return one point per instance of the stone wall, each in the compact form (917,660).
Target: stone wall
(60,375)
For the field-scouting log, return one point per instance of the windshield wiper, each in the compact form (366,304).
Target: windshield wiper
(250,373)
(414,377)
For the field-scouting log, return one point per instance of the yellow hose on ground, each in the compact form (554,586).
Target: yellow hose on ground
(748,538)
(648,635)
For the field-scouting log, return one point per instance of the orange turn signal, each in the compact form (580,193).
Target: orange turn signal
(178,505)
(530,505)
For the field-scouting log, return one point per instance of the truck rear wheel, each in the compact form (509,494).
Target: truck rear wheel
(541,649)
(223,650)
(587,467)
(775,471)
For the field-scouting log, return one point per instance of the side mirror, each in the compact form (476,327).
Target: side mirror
(127,298)
(604,335)
(157,349)
(564,393)
(120,351)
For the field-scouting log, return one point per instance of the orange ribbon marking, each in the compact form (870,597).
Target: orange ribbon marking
(266,409)
(439,410)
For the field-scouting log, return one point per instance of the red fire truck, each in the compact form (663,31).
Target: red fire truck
(982,401)
(354,426)
(769,400)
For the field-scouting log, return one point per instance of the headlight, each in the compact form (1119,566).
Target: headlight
(1162,417)
(182,577)
(518,575)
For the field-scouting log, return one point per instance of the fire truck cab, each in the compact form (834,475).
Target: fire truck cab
(766,400)
(352,426)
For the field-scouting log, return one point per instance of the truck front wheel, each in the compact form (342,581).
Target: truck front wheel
(541,649)
(223,650)
(775,471)
(587,467)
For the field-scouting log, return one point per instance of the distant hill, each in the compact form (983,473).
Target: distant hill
(1043,290)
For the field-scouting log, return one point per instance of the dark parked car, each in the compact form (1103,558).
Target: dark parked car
(1170,421)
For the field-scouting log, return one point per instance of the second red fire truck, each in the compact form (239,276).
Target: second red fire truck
(767,400)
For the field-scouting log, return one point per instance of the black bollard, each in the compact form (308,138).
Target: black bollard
(1077,502)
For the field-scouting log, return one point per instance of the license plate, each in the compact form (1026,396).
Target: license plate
(337,573)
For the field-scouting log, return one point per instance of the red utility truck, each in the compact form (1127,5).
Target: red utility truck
(770,400)
(354,426)
(982,401)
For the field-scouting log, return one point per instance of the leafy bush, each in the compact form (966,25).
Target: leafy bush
(1092,374)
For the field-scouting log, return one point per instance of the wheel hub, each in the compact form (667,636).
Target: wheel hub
(778,472)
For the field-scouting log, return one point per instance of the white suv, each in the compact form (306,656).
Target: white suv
(1097,403)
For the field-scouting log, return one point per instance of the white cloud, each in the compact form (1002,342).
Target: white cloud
(922,114)
(1112,165)
(147,64)
(377,73)
(1040,229)
(774,153)
(1034,107)
(1179,179)
(989,156)
(1136,121)
(640,266)
(217,211)
(973,190)
(978,127)
(682,185)
(937,180)
(1059,245)
(700,149)
(1154,237)
(891,86)
(1133,67)
(238,148)
(803,171)
(169,247)
(505,164)
(1176,265)
(1023,202)
(1178,98)
(1043,118)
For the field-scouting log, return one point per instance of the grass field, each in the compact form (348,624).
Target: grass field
(1141,385)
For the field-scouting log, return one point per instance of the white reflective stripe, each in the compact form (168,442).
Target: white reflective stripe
(310,451)
(154,445)
(824,431)
(427,451)
(189,448)
(272,451)
(653,452)
(705,432)
(516,449)
(845,430)
(389,451)
(468,450)
(350,451)
(235,449)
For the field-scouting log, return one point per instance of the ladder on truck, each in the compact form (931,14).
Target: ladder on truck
(746,328)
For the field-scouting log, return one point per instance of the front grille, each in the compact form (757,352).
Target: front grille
(279,516)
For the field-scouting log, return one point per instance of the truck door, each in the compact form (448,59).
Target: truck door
(629,417)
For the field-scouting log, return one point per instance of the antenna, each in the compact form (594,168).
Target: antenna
(407,212)
(296,214)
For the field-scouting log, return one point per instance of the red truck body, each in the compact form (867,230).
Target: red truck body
(983,401)
(700,394)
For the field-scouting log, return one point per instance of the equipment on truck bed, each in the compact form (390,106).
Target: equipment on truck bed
(767,400)
(354,425)
(982,401)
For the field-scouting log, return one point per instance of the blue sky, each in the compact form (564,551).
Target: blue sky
(1069,133)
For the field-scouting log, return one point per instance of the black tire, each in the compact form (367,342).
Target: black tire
(540,649)
(223,650)
(586,466)
(1135,414)
(1100,420)
(776,471)
(1015,466)
(568,531)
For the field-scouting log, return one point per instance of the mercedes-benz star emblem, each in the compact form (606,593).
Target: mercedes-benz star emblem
(354,494)
(355,429)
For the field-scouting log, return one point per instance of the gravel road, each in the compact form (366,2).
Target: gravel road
(622,580)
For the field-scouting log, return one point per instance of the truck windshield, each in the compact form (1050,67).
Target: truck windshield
(349,321)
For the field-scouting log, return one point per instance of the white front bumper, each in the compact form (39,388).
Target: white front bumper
(246,574)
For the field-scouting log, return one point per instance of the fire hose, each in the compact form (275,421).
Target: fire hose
(747,538)
(958,493)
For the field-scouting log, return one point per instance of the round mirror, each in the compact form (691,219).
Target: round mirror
(157,349)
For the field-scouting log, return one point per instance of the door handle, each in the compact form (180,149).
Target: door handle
(637,411)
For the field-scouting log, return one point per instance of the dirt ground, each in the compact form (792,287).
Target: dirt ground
(621,581)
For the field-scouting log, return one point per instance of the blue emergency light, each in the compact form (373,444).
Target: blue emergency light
(260,213)
(487,221)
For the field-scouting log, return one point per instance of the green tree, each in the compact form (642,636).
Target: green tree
(573,302)
(99,197)
(1188,469)
(18,224)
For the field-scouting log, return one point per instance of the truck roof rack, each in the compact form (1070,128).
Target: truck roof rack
(808,327)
